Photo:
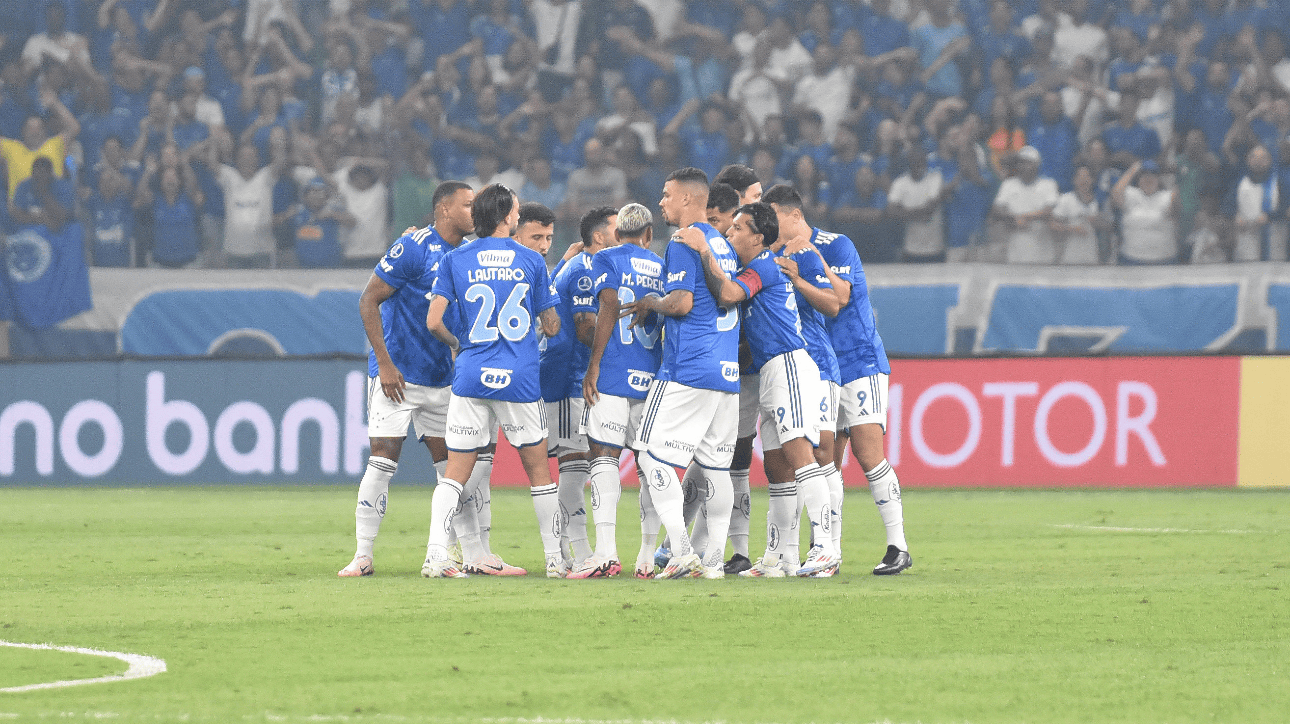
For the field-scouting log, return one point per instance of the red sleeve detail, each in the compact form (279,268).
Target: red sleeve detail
(751,281)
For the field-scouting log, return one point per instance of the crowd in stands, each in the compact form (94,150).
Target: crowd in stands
(281,133)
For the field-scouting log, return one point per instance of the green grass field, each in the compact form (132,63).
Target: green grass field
(1035,606)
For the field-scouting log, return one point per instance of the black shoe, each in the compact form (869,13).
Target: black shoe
(737,564)
(894,562)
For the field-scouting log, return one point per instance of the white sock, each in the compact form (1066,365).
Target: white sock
(447,496)
(837,494)
(573,505)
(373,495)
(466,524)
(478,488)
(740,516)
(440,470)
(886,494)
(695,485)
(669,502)
(546,504)
(606,491)
(649,528)
(780,512)
(720,501)
(813,489)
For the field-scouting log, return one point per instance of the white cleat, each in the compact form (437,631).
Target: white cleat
(686,566)
(441,569)
(454,554)
(555,567)
(713,572)
(764,568)
(819,561)
(360,566)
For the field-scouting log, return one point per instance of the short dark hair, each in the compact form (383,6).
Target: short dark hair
(764,221)
(738,176)
(593,221)
(535,212)
(444,191)
(688,175)
(783,195)
(492,205)
(42,162)
(722,197)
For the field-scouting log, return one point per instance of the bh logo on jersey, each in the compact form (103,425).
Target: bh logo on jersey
(658,479)
(639,380)
(730,371)
(495,257)
(494,378)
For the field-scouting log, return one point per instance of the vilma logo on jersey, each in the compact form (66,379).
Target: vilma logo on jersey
(495,378)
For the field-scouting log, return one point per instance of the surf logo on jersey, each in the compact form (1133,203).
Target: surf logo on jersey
(601,279)
(582,301)
(495,378)
(730,371)
(648,267)
(495,257)
(675,277)
(584,284)
(639,380)
(396,251)
(840,270)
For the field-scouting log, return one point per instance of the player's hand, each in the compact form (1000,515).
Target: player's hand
(789,267)
(638,310)
(692,238)
(574,249)
(589,392)
(797,244)
(392,383)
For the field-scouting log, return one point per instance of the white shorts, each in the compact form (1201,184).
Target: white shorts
(425,408)
(612,420)
(749,395)
(683,423)
(473,421)
(792,399)
(565,436)
(829,417)
(863,402)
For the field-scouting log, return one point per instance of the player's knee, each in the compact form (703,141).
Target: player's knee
(386,447)
(742,459)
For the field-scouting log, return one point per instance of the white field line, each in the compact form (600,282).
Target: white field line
(1118,529)
(140,666)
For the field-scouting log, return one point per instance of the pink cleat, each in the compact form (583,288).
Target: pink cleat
(493,565)
(596,567)
(360,566)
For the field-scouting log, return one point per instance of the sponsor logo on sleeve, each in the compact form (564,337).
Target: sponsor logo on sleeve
(584,284)
(675,277)
(396,251)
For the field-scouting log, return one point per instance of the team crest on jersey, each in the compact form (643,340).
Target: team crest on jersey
(396,251)
(730,371)
(495,257)
(495,378)
(639,380)
(648,267)
(584,284)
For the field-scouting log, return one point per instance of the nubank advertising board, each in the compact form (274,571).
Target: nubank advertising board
(1132,421)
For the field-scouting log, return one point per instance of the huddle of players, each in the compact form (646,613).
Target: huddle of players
(676,359)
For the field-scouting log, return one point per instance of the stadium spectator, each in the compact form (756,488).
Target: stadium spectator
(1147,227)
(917,198)
(1257,236)
(36,142)
(361,184)
(1077,220)
(43,199)
(1006,134)
(940,43)
(1024,205)
(175,212)
(317,225)
(598,183)
(860,214)
(248,202)
(1053,134)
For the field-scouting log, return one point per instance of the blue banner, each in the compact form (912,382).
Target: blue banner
(47,277)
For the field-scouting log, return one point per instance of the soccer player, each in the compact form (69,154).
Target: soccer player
(497,289)
(789,382)
(692,405)
(864,372)
(624,360)
(563,364)
(409,372)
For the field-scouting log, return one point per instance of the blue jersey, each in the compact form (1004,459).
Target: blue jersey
(496,289)
(410,267)
(701,348)
(631,356)
(854,331)
(814,328)
(564,358)
(771,324)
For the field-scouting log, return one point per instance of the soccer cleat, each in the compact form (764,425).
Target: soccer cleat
(454,554)
(894,562)
(713,572)
(662,555)
(686,566)
(818,561)
(441,569)
(360,566)
(646,574)
(596,567)
(738,564)
(493,565)
(765,569)
(826,573)
(555,567)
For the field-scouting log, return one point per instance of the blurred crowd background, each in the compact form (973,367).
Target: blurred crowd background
(309,133)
